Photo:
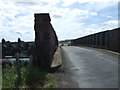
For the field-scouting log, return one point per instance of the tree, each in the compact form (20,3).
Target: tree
(3,40)
(19,40)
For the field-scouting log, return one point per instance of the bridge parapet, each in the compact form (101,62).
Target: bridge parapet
(106,40)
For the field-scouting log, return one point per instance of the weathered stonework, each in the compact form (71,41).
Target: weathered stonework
(45,41)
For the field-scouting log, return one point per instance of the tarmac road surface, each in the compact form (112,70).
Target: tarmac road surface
(88,68)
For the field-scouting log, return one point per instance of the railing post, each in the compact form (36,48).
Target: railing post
(18,66)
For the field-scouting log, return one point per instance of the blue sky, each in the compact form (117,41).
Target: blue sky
(70,18)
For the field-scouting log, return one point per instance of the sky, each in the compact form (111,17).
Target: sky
(70,19)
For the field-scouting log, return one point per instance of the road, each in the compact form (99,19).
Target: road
(88,68)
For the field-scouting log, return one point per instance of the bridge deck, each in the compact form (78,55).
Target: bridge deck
(89,68)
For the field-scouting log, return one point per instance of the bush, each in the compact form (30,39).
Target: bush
(33,74)
(31,78)
(9,78)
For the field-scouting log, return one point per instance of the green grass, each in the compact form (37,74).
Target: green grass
(0,77)
(50,81)
(31,78)
(9,78)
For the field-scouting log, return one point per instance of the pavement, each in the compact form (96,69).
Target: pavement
(87,68)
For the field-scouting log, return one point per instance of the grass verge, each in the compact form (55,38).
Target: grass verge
(31,78)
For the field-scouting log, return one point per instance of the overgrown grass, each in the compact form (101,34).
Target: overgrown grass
(9,78)
(0,77)
(31,78)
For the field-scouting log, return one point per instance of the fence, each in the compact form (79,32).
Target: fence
(105,40)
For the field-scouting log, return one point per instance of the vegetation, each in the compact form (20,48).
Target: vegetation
(31,78)
(0,76)
(69,44)
(65,44)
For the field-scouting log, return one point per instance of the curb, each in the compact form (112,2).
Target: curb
(57,60)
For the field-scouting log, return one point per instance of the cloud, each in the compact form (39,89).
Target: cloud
(19,33)
(32,3)
(70,2)
(107,25)
(57,16)
(115,22)
(109,16)
(18,17)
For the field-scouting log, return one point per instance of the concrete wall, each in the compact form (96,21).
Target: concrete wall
(106,40)
(46,41)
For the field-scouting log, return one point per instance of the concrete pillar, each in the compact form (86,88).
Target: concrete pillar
(44,36)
